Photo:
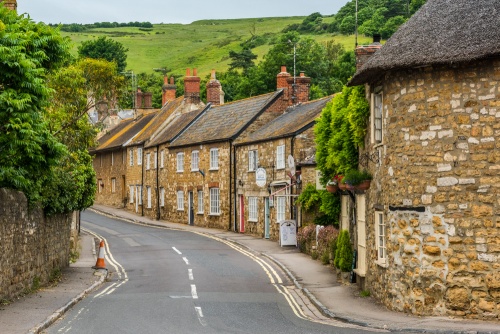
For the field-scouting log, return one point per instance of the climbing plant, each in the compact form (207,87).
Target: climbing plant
(340,131)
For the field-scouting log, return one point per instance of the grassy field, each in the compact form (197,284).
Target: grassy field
(201,44)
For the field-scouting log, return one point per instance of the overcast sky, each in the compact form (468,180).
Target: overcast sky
(169,11)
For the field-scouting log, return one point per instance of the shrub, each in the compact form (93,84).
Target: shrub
(305,236)
(343,253)
(327,236)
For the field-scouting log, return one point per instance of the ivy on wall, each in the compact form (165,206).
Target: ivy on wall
(340,131)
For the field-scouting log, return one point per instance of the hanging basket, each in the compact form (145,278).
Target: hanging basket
(365,185)
(342,186)
(332,188)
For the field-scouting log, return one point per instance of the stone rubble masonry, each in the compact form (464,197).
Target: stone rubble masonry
(440,152)
(33,246)
(109,165)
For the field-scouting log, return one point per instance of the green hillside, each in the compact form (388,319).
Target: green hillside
(202,44)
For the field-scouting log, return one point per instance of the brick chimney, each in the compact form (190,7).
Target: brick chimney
(299,93)
(281,78)
(10,4)
(147,100)
(192,87)
(168,90)
(364,52)
(139,99)
(215,95)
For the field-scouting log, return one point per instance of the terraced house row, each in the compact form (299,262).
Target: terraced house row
(196,163)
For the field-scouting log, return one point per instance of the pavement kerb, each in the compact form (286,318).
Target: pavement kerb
(58,313)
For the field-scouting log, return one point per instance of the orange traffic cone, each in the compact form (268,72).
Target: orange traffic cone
(100,260)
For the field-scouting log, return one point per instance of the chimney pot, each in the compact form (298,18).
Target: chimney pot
(188,72)
(283,69)
(195,72)
(172,80)
(302,74)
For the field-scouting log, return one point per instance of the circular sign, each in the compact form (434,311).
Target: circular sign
(260,177)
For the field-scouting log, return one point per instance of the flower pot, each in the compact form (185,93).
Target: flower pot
(365,185)
(342,186)
(332,188)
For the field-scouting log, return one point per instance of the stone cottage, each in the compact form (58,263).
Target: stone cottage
(428,229)
(280,147)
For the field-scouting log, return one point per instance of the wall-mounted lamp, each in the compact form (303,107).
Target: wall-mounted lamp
(201,172)
(241,183)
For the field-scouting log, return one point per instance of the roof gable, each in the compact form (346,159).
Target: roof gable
(441,32)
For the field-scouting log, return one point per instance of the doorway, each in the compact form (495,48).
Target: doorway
(191,208)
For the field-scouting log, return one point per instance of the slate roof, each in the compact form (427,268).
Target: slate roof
(174,127)
(226,121)
(441,32)
(295,120)
(122,133)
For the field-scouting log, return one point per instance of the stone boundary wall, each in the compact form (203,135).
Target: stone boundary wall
(32,247)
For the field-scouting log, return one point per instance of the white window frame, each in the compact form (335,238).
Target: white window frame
(100,185)
(214,201)
(155,162)
(253,160)
(280,157)
(253,209)
(180,200)
(139,194)
(162,158)
(195,161)
(148,188)
(148,163)
(280,208)
(377,105)
(112,158)
(200,201)
(380,238)
(131,190)
(113,184)
(214,159)
(180,162)
(139,156)
(131,160)
(162,197)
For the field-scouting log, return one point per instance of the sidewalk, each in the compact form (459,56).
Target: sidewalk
(37,311)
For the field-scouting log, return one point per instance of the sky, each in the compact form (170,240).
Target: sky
(169,11)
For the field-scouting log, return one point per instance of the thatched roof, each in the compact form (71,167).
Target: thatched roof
(442,32)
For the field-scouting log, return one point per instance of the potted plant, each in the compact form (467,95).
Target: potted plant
(365,183)
(357,180)
(333,185)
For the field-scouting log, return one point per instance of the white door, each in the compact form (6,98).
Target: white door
(361,222)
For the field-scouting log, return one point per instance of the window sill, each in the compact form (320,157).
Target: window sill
(195,170)
(382,264)
(253,221)
(180,210)
(214,214)
(213,169)
(180,171)
(199,213)
(377,145)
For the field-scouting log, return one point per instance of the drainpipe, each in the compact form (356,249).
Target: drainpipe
(233,188)
(158,215)
(142,183)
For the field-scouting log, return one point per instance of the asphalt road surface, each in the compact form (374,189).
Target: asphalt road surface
(168,281)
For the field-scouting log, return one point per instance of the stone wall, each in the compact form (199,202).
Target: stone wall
(32,246)
(438,182)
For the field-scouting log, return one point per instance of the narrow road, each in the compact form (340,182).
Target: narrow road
(167,281)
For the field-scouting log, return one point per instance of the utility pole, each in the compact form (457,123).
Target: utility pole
(356,27)
(294,71)
(133,78)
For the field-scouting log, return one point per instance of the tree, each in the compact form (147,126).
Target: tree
(242,60)
(28,150)
(107,49)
